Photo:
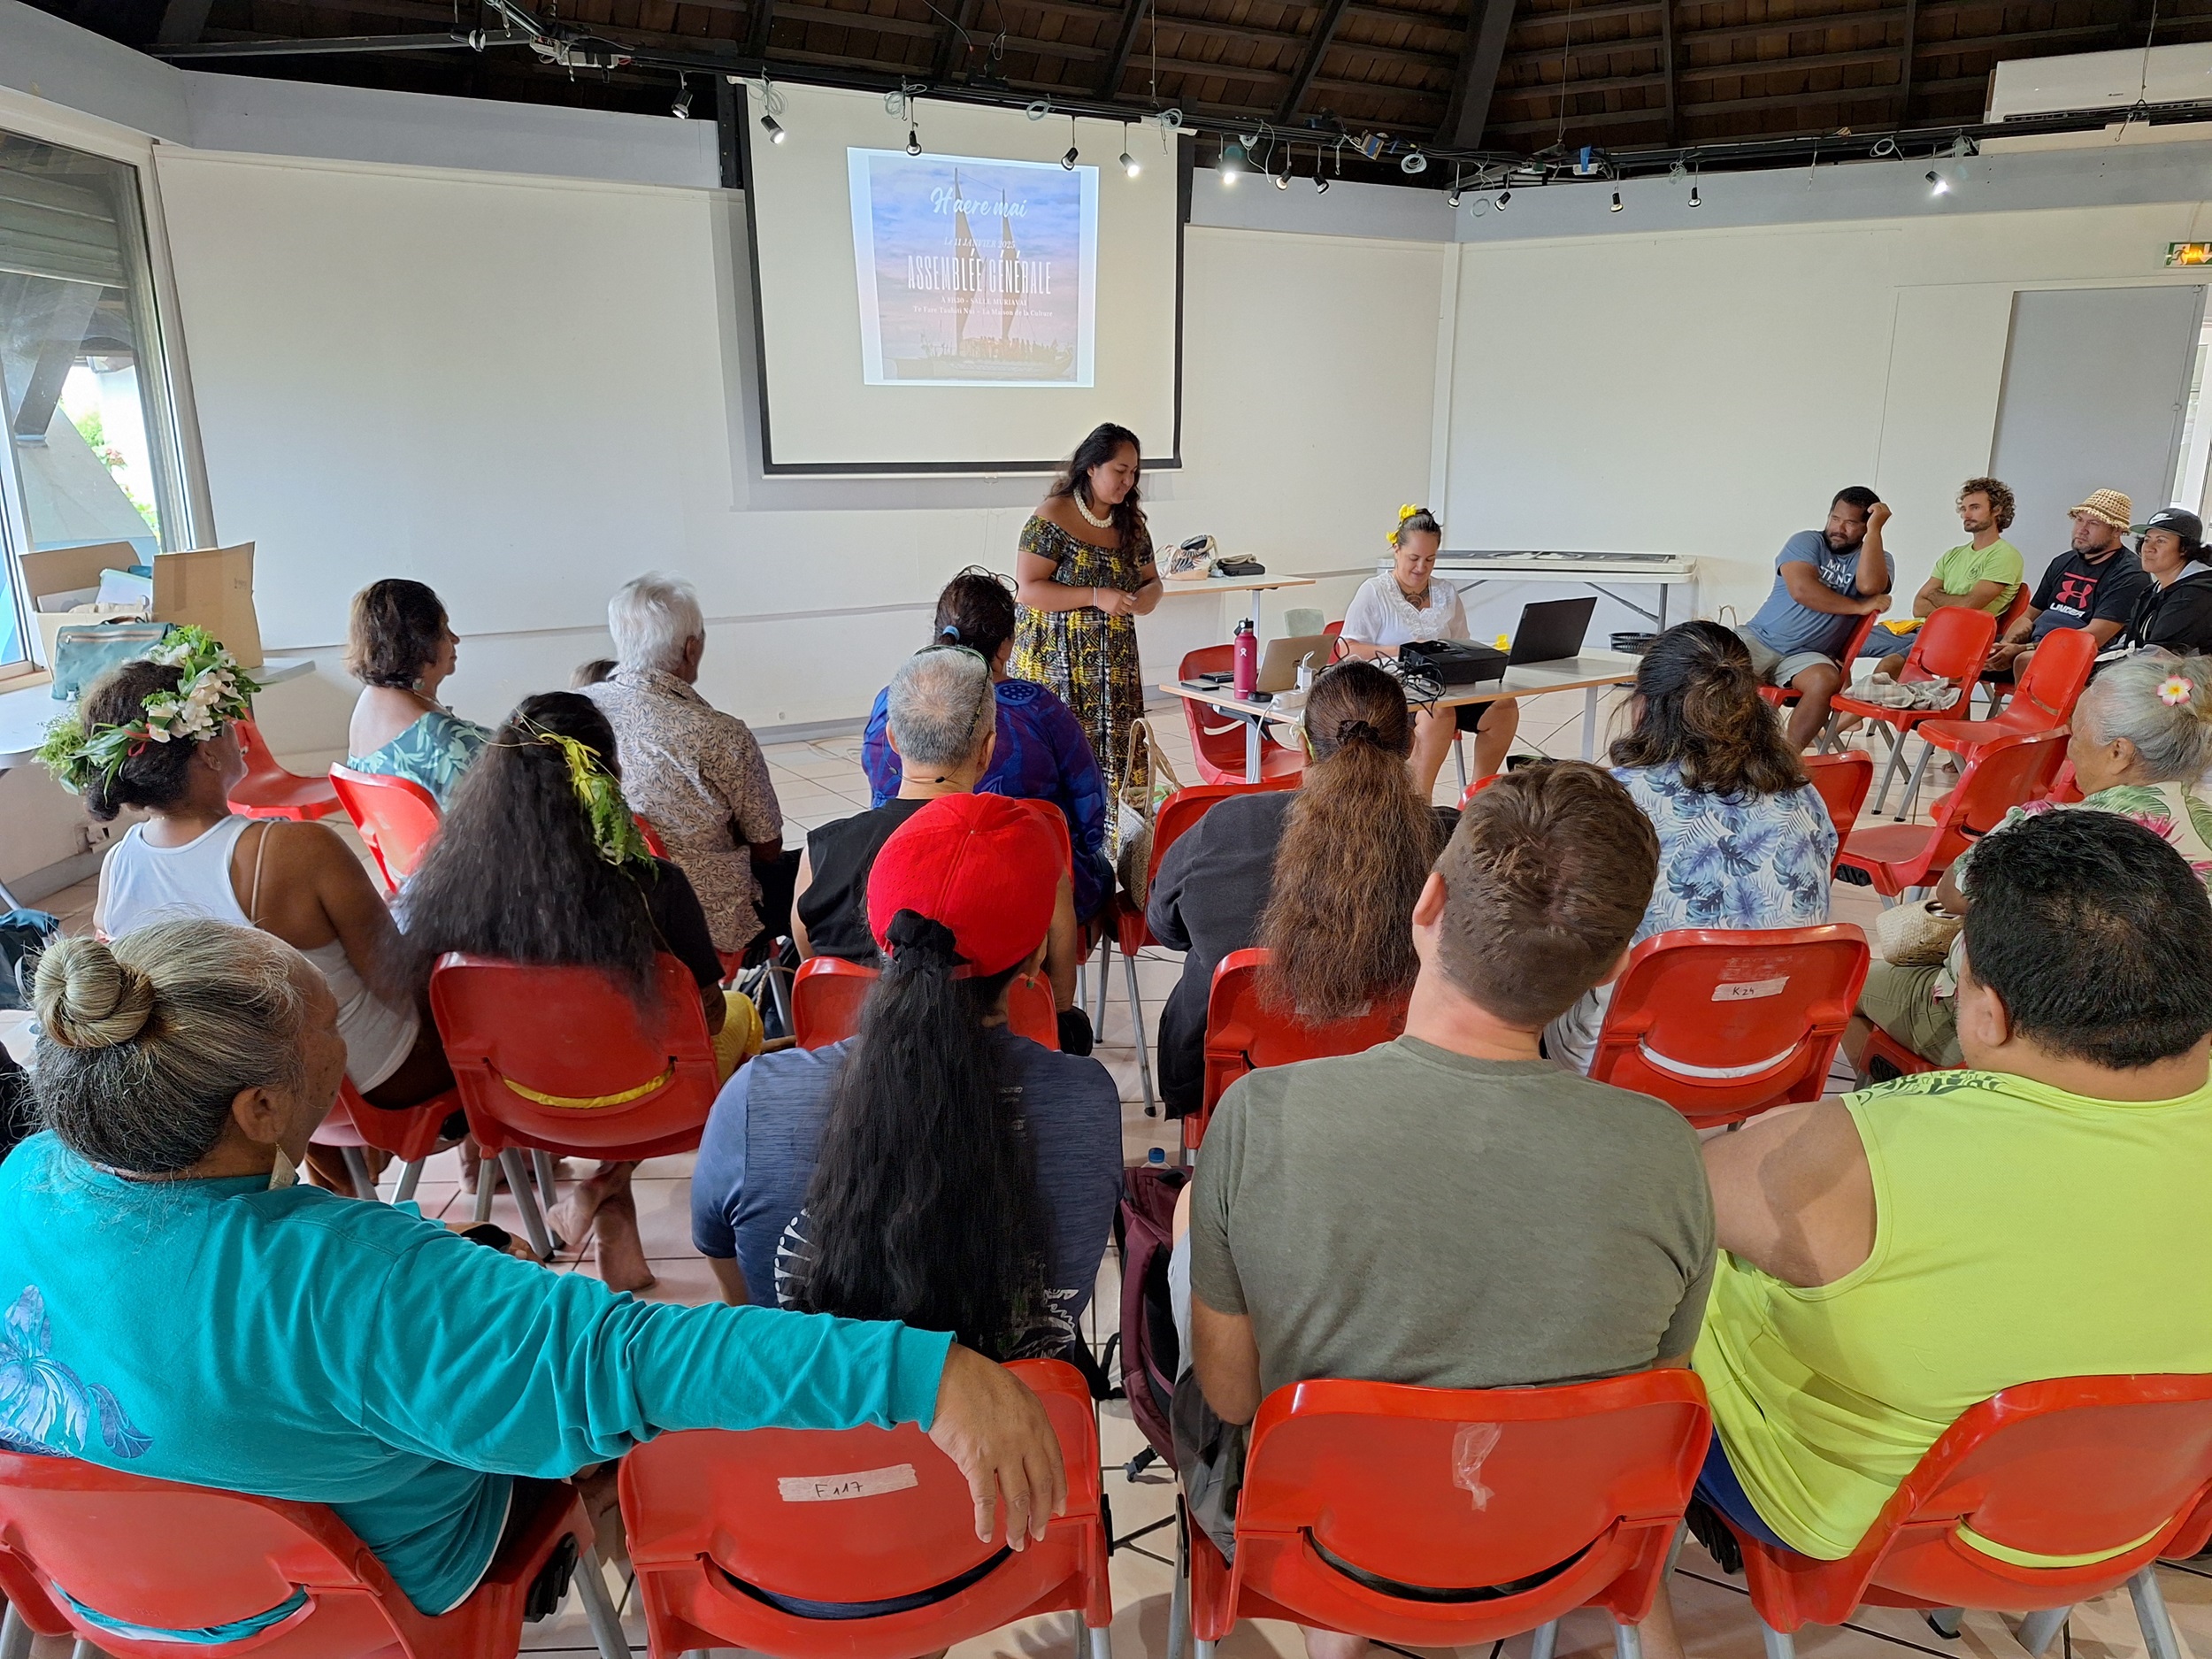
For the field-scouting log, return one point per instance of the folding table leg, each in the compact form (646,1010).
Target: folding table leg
(357,1167)
(2039,1627)
(606,1628)
(533,1218)
(2150,1613)
(1136,1022)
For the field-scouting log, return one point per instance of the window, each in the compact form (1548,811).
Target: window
(91,452)
(2196,434)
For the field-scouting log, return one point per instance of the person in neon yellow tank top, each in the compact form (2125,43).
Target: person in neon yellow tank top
(1889,1258)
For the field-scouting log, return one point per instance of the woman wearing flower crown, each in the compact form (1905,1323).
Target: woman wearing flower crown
(539,861)
(2141,745)
(159,734)
(1403,605)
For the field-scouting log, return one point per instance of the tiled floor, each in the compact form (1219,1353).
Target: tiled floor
(820,781)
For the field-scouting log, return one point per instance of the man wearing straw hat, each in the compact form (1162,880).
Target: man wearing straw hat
(2093,585)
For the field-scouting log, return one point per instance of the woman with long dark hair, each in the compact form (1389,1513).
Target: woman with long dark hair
(936,1164)
(1325,876)
(1040,752)
(1744,841)
(539,862)
(1084,576)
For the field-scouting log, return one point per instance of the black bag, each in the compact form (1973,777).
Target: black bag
(23,934)
(1452,662)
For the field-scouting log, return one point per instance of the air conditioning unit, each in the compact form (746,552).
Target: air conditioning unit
(2114,82)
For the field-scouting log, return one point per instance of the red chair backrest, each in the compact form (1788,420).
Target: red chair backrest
(1224,748)
(1843,781)
(1451,1489)
(1477,788)
(1187,805)
(653,842)
(2009,771)
(172,1556)
(2053,685)
(1243,1033)
(2014,608)
(1720,1023)
(397,817)
(828,993)
(259,762)
(2070,1467)
(2063,789)
(574,1035)
(852,1515)
(1953,645)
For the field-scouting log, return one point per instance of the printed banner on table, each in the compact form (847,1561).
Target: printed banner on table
(973,271)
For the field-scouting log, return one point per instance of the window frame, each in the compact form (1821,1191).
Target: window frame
(165,382)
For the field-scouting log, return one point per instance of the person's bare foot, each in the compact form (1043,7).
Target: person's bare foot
(471,1160)
(1330,1644)
(621,1252)
(571,1218)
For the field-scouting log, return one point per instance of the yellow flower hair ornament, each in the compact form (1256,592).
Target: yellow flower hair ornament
(2176,689)
(613,828)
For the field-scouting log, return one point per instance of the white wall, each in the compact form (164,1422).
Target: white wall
(1708,392)
(523,391)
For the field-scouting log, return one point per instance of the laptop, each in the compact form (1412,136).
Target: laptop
(1279,668)
(1550,630)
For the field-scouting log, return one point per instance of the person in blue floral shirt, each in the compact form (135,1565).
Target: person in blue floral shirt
(401,648)
(1744,841)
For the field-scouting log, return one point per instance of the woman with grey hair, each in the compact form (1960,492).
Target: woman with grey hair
(183,1310)
(940,719)
(693,773)
(2141,745)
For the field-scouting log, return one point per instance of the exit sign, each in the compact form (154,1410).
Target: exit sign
(2189,253)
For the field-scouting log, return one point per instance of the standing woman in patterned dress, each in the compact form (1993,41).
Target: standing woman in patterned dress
(1084,576)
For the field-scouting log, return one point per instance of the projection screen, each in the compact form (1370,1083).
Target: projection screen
(976,308)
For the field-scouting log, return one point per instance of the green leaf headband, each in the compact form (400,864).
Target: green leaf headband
(613,826)
(212,692)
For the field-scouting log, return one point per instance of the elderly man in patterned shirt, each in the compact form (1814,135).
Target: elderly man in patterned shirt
(693,773)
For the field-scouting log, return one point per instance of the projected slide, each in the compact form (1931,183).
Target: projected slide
(974,272)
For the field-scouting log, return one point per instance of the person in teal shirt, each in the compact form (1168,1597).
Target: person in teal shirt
(1983,572)
(176,1306)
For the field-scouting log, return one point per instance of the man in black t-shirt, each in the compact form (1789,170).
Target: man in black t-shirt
(2094,585)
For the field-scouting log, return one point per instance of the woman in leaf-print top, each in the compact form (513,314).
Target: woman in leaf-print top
(401,648)
(2141,743)
(1744,839)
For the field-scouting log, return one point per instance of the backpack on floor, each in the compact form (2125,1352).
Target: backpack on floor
(1144,1232)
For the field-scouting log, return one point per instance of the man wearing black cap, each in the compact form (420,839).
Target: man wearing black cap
(2175,613)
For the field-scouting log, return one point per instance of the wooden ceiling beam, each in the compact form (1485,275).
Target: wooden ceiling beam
(954,33)
(1309,60)
(1467,112)
(1124,42)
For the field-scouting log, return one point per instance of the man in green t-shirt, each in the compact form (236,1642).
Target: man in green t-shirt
(1983,572)
(1451,1210)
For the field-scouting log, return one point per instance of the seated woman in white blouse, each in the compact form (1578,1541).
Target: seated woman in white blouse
(1402,607)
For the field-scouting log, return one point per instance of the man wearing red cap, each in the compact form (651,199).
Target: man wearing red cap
(826,1176)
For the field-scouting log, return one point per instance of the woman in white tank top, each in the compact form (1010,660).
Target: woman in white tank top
(193,856)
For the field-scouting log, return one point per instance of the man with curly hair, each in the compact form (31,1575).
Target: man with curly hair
(1983,572)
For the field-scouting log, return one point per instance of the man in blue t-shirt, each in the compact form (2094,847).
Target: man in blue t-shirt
(1824,582)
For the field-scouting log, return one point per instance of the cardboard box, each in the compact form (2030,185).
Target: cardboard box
(211,588)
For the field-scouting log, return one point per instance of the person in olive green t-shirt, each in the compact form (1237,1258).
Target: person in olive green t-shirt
(1894,1257)
(1451,1210)
(1983,572)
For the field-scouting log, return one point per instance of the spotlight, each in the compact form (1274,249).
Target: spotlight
(913,141)
(1320,185)
(1503,198)
(1616,203)
(1129,165)
(1068,160)
(1938,184)
(773,128)
(682,108)
(1693,201)
(1282,180)
(1451,197)
(1414,161)
(1233,155)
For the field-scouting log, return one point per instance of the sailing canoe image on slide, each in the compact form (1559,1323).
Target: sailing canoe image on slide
(973,271)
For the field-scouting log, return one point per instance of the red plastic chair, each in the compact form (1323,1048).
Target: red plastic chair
(558,1060)
(1724,1024)
(1442,1490)
(1785,696)
(653,842)
(828,992)
(1954,645)
(268,790)
(410,1133)
(1336,631)
(2008,772)
(2063,789)
(1219,749)
(1130,932)
(1843,781)
(1244,1034)
(2071,1467)
(2044,701)
(397,817)
(172,1557)
(1881,1046)
(847,1516)
(1467,795)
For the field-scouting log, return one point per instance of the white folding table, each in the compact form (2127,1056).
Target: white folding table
(1467,571)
